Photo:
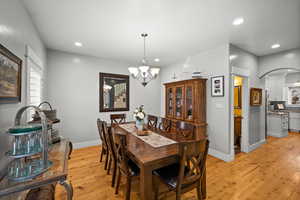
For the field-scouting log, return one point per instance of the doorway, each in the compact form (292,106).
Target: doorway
(238,112)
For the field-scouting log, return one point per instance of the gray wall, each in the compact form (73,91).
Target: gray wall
(285,59)
(214,62)
(249,61)
(16,31)
(73,89)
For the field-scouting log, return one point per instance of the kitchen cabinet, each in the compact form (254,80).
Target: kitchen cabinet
(294,121)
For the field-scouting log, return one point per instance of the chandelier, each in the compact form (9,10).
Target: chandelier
(144,73)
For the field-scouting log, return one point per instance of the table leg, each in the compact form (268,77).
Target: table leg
(69,188)
(146,183)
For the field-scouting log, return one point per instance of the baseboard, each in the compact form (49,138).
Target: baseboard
(80,145)
(256,145)
(220,155)
(277,134)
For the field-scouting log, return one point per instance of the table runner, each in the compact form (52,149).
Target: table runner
(153,139)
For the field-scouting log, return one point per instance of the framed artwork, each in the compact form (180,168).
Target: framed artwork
(114,92)
(238,97)
(294,95)
(10,76)
(217,86)
(255,97)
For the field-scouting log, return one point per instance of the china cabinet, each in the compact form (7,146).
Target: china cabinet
(186,101)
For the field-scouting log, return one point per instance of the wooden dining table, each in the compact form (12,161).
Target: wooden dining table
(149,158)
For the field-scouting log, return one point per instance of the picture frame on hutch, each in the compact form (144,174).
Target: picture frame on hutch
(10,76)
(114,92)
(217,86)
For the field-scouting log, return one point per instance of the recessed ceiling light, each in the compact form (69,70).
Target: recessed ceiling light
(238,21)
(232,57)
(275,46)
(78,44)
(156,59)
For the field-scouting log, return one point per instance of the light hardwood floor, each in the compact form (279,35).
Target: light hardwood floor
(271,172)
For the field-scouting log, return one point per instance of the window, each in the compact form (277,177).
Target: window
(35,74)
(35,86)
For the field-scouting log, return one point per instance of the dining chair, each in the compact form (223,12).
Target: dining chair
(165,125)
(107,132)
(152,122)
(185,129)
(188,173)
(104,149)
(125,166)
(117,118)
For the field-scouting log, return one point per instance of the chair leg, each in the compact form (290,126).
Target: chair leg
(199,192)
(106,160)
(113,180)
(118,181)
(102,153)
(109,164)
(155,186)
(128,187)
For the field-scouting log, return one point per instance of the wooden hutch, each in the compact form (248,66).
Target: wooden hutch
(186,101)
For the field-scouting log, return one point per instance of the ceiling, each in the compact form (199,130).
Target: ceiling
(177,28)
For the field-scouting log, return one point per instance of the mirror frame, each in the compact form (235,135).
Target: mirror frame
(102,76)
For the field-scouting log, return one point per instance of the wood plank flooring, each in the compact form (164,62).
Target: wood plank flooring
(269,172)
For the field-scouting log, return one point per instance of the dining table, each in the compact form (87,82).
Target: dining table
(150,157)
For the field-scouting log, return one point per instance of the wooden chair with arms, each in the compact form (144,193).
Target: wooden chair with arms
(165,125)
(152,122)
(117,118)
(188,173)
(125,166)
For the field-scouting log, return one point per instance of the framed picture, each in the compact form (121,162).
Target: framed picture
(217,86)
(238,97)
(294,95)
(10,76)
(255,97)
(114,92)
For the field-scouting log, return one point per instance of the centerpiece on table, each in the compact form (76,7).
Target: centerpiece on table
(139,115)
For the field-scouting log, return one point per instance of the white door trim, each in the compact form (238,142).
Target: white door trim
(245,73)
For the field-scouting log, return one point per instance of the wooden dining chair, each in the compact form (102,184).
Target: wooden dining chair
(125,166)
(107,132)
(104,149)
(188,173)
(152,122)
(185,129)
(117,118)
(165,125)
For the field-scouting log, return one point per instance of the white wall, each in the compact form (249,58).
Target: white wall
(248,61)
(16,31)
(215,62)
(285,59)
(73,89)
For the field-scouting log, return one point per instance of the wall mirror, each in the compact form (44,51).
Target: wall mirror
(114,92)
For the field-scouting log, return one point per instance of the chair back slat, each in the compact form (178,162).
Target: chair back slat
(152,122)
(165,125)
(185,129)
(118,118)
(192,162)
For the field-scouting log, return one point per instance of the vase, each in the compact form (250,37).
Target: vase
(139,124)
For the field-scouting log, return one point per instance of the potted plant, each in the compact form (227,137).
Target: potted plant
(139,115)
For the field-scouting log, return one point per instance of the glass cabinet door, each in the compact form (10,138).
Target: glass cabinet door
(179,96)
(189,112)
(170,103)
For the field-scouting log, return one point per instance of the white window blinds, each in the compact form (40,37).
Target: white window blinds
(35,78)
